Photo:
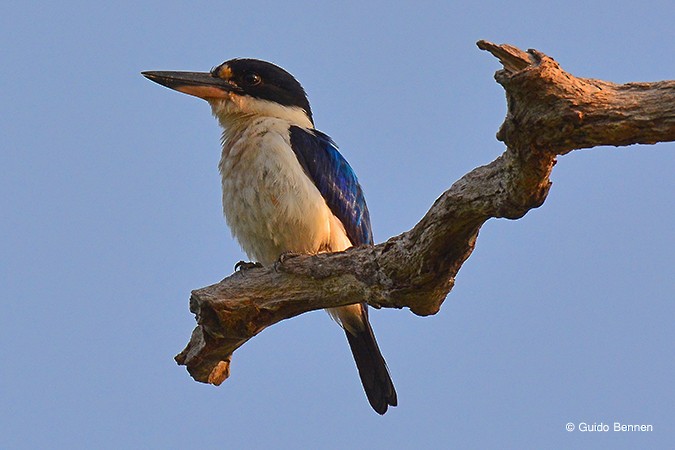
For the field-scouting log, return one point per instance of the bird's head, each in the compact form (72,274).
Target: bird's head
(243,88)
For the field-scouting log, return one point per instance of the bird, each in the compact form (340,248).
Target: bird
(286,189)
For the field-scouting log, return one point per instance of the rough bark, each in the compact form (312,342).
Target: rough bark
(550,113)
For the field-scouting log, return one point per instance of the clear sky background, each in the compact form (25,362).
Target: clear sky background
(111,215)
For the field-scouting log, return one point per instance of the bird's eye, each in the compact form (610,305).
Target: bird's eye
(252,78)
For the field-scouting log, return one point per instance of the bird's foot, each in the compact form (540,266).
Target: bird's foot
(246,265)
(285,256)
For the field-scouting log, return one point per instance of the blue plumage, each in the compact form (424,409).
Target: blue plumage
(335,179)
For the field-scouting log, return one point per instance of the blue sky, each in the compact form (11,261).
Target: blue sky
(111,215)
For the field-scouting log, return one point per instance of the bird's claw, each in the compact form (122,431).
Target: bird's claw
(285,256)
(246,265)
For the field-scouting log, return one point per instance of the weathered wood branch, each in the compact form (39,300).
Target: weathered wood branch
(550,113)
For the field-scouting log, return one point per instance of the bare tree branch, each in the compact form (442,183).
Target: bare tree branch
(550,113)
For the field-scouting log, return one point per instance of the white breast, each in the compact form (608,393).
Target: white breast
(270,204)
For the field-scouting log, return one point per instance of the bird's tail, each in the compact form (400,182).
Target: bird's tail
(371,365)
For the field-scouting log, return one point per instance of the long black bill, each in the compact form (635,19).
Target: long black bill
(200,84)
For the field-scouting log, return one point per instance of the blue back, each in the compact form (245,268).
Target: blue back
(335,179)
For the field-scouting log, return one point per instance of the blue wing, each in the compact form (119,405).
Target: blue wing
(335,179)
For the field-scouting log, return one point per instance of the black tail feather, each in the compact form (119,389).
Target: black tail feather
(372,368)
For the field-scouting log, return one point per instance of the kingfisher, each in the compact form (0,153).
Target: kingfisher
(286,187)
